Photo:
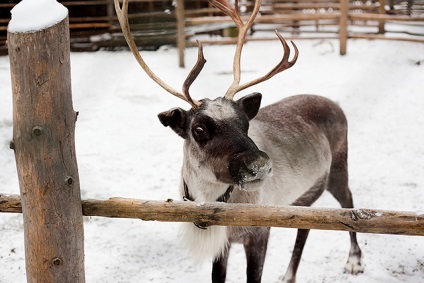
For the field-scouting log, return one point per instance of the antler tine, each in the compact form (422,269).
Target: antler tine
(283,65)
(243,28)
(122,14)
(194,72)
(232,12)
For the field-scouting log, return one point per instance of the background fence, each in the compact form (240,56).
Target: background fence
(93,23)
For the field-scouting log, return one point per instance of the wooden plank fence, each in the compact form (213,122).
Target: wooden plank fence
(325,19)
(93,23)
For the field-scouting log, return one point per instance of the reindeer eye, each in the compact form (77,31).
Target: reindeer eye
(199,131)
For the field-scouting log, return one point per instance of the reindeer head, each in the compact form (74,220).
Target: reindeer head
(216,131)
(217,134)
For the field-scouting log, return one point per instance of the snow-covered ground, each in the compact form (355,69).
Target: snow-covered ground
(124,151)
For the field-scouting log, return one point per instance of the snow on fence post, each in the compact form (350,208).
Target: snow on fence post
(44,143)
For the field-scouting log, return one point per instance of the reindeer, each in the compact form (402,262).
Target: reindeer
(287,153)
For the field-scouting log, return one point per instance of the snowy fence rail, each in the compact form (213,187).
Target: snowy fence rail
(226,214)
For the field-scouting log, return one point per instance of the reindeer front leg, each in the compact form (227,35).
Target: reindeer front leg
(219,267)
(255,246)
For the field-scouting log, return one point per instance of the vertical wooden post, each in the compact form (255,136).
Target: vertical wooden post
(181,40)
(344,8)
(111,15)
(44,144)
(381,11)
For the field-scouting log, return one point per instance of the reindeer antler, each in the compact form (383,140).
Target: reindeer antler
(234,14)
(122,14)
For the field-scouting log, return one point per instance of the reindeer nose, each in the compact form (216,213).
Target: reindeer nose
(260,167)
(250,166)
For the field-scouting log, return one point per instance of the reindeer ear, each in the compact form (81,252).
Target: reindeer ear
(250,104)
(176,118)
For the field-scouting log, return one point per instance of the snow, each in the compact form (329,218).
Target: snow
(124,151)
(36,15)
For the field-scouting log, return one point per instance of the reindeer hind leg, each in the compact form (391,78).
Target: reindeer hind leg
(339,188)
(306,199)
(290,276)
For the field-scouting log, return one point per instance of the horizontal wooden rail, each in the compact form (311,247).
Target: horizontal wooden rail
(359,220)
(232,40)
(103,2)
(89,25)
(265,19)
(303,16)
(322,5)
(378,17)
(384,37)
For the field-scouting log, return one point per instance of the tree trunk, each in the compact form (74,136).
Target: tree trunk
(44,144)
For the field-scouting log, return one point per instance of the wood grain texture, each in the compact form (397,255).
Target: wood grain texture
(44,144)
(227,214)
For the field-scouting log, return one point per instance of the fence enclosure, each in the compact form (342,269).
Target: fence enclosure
(93,23)
(49,184)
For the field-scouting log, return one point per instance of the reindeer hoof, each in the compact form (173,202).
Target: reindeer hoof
(353,265)
(287,279)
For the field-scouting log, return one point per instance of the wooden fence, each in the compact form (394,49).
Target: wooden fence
(318,19)
(49,182)
(93,23)
(230,214)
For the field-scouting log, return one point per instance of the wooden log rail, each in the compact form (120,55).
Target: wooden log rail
(226,214)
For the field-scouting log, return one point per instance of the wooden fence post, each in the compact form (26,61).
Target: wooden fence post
(381,11)
(44,144)
(344,9)
(181,40)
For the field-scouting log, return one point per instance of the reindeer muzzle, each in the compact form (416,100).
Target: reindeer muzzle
(249,169)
